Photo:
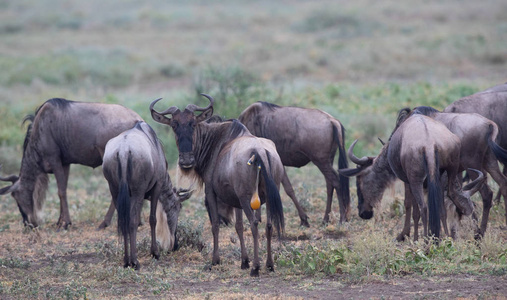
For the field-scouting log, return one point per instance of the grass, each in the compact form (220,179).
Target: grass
(359,61)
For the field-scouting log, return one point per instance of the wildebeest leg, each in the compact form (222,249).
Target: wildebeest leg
(418,193)
(416,217)
(332,182)
(287,186)
(327,171)
(245,262)
(443,208)
(62,176)
(215,223)
(254,223)
(153,221)
(134,223)
(269,233)
(108,217)
(405,232)
(492,168)
(126,260)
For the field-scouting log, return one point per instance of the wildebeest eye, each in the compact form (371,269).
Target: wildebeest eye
(174,124)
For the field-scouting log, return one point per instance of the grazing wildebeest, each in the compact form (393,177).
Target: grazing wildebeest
(303,135)
(63,132)
(492,104)
(135,167)
(419,150)
(478,150)
(227,159)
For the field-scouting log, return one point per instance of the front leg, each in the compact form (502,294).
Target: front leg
(215,223)
(62,178)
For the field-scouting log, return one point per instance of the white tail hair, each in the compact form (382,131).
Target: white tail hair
(163,234)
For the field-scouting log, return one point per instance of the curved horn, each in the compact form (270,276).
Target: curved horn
(193,107)
(170,110)
(11,178)
(475,185)
(381,141)
(358,161)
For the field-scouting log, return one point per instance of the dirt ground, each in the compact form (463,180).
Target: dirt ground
(63,264)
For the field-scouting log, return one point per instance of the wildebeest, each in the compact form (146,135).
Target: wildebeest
(303,135)
(63,132)
(492,104)
(478,150)
(227,159)
(419,150)
(136,169)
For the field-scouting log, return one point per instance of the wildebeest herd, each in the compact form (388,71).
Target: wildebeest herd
(241,160)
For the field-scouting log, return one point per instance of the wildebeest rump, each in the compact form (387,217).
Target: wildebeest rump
(226,157)
(63,132)
(492,104)
(419,150)
(478,150)
(303,135)
(136,169)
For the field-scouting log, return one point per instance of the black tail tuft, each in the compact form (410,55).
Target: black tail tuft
(435,196)
(344,193)
(123,199)
(275,211)
(500,153)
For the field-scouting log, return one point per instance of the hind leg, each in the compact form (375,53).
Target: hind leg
(287,186)
(269,233)
(332,183)
(245,262)
(493,169)
(405,232)
(153,222)
(254,223)
(108,217)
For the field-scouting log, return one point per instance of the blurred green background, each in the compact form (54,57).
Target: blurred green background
(361,61)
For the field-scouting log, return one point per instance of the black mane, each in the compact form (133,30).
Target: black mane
(237,129)
(271,106)
(425,110)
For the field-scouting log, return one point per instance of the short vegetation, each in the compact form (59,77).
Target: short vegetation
(360,61)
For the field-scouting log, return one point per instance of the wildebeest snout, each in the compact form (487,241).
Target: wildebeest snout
(186,160)
(366,214)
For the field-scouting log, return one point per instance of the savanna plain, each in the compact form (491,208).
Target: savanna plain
(361,61)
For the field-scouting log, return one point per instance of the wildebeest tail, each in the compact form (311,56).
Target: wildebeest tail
(275,211)
(500,153)
(123,199)
(342,164)
(435,195)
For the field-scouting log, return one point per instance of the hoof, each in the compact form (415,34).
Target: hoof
(155,255)
(270,268)
(401,237)
(215,262)
(245,264)
(103,225)
(304,222)
(254,272)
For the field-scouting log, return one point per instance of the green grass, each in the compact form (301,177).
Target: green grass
(359,61)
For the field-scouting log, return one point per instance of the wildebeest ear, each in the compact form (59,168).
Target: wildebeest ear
(351,172)
(160,118)
(205,115)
